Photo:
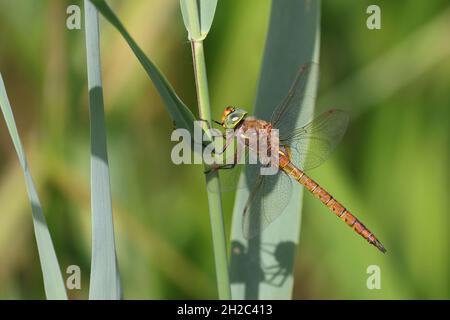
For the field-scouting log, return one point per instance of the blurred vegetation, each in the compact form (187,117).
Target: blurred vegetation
(391,169)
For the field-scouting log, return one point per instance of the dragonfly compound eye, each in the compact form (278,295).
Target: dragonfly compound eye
(226,112)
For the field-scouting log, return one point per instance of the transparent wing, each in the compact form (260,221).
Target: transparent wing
(269,196)
(313,143)
(301,93)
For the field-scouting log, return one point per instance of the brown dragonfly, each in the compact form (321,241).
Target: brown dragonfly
(300,149)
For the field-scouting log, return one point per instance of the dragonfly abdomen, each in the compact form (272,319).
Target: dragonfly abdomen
(331,203)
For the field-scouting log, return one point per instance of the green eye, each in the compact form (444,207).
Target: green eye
(232,119)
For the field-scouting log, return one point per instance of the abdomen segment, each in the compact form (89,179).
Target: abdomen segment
(333,204)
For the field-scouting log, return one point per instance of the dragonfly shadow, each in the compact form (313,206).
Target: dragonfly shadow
(283,255)
(247,268)
(243,269)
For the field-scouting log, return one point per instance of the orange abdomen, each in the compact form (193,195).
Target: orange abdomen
(330,202)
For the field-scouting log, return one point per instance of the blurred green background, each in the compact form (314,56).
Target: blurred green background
(391,170)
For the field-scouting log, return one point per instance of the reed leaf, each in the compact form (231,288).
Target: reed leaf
(105,278)
(53,281)
(262,267)
(180,114)
(198,17)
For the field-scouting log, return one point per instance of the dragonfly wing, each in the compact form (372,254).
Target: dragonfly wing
(313,143)
(268,198)
(301,93)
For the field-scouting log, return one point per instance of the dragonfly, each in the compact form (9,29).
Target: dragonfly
(300,149)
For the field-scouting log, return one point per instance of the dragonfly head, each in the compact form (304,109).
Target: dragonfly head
(231,117)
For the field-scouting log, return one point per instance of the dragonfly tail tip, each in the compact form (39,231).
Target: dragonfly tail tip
(380,246)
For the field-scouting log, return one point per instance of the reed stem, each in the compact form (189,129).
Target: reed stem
(212,179)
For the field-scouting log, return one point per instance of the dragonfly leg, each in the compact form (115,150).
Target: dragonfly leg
(220,124)
(216,167)
(228,140)
(207,122)
(223,135)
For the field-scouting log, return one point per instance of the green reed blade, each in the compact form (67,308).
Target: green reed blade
(105,278)
(53,281)
(292,40)
(180,114)
(198,17)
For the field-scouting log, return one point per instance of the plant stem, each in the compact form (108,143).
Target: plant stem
(212,179)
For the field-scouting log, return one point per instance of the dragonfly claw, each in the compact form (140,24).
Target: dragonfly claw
(209,170)
(212,168)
